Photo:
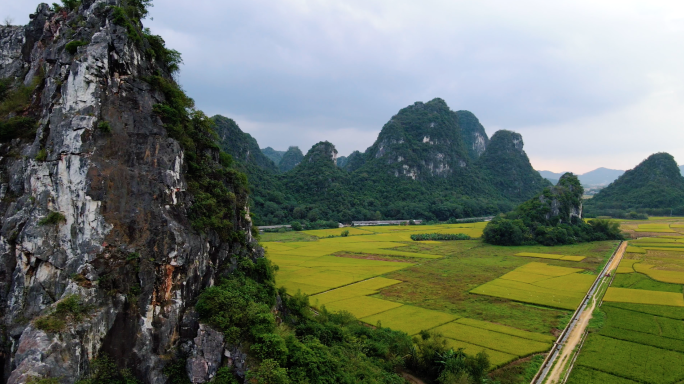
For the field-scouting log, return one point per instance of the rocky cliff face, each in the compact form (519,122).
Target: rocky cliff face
(95,209)
(474,134)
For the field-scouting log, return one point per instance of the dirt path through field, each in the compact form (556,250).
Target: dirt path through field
(575,336)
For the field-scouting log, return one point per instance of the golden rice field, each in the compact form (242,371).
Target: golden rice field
(506,301)
(543,284)
(550,256)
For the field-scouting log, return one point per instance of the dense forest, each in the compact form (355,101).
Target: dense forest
(428,163)
(654,187)
(552,217)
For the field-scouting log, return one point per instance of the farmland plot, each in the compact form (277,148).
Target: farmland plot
(381,276)
(541,284)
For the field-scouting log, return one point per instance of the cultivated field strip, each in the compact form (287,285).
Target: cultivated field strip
(641,339)
(362,273)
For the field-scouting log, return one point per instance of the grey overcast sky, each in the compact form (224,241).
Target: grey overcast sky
(587,83)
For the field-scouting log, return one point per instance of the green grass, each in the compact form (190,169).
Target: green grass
(528,293)
(644,323)
(290,236)
(410,319)
(362,306)
(550,256)
(519,372)
(657,310)
(584,375)
(496,358)
(639,296)
(507,330)
(493,340)
(640,281)
(633,361)
(644,338)
(444,284)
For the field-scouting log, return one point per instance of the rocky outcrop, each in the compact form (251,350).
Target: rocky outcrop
(96,206)
(474,134)
(322,152)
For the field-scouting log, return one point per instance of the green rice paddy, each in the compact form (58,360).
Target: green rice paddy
(383,277)
(642,337)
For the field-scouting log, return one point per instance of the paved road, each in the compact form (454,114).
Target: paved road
(565,347)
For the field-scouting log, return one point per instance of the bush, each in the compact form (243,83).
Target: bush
(104,127)
(52,218)
(45,380)
(68,5)
(296,226)
(225,376)
(68,310)
(17,127)
(42,155)
(268,372)
(104,370)
(345,233)
(72,46)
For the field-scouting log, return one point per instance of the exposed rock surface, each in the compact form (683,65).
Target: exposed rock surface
(125,246)
(474,134)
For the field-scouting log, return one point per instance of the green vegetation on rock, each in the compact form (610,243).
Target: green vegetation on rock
(429,163)
(552,217)
(291,158)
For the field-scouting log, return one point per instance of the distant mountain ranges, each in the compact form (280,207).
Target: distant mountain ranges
(598,177)
(428,162)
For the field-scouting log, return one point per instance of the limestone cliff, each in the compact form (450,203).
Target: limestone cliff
(474,134)
(97,208)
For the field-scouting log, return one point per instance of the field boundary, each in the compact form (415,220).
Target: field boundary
(558,344)
(574,358)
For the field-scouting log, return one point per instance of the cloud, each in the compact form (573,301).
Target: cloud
(574,78)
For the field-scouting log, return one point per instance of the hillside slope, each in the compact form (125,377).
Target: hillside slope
(508,167)
(656,183)
(241,145)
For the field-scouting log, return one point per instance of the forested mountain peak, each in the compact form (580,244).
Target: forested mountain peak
(291,158)
(323,151)
(422,140)
(273,154)
(655,183)
(239,144)
(509,167)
